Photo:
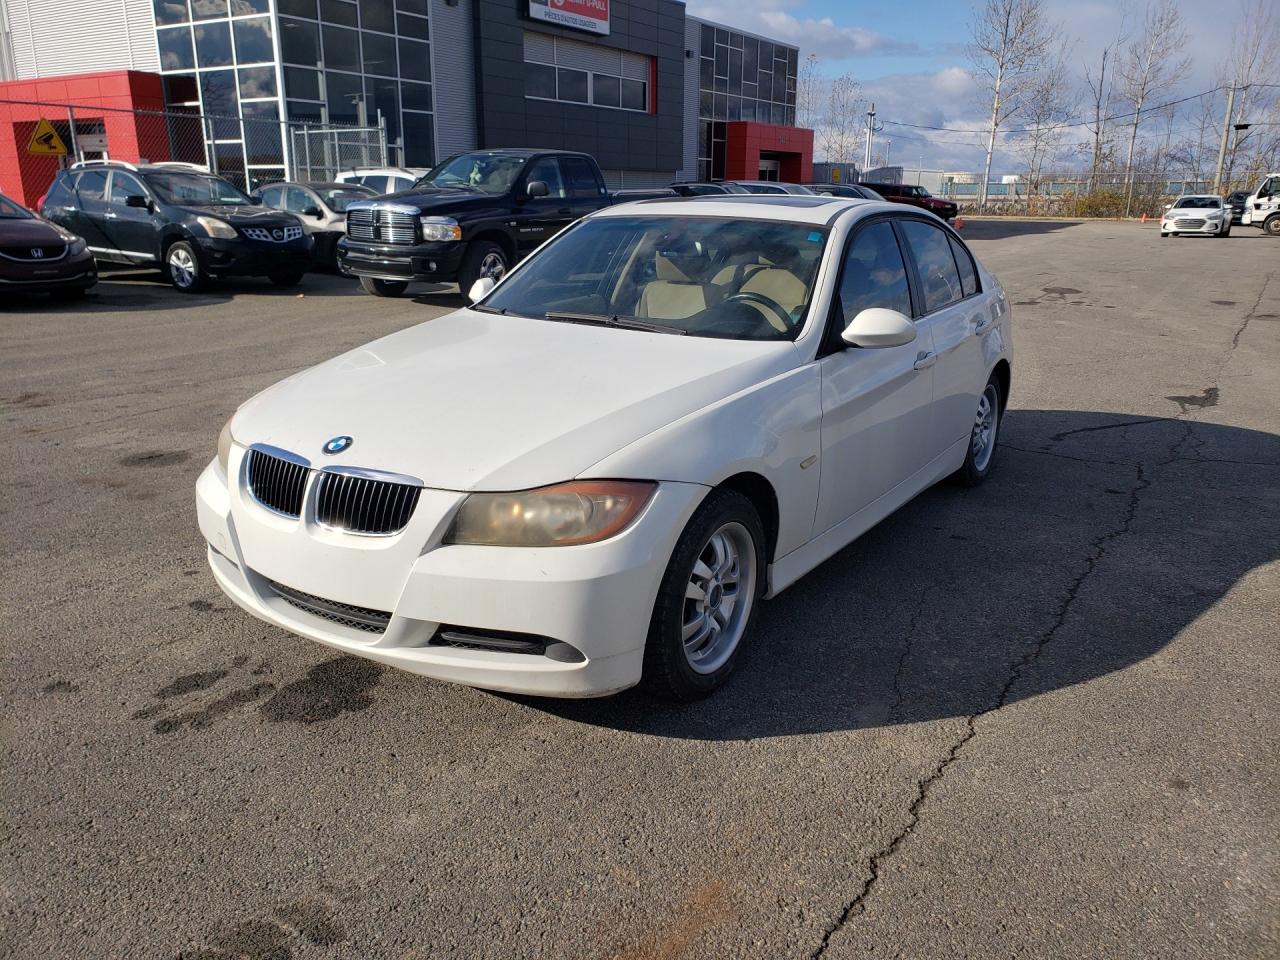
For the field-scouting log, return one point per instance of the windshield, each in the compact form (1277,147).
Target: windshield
(339,199)
(487,172)
(196,190)
(706,276)
(1198,203)
(11,211)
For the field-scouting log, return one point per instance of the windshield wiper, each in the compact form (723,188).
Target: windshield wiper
(623,323)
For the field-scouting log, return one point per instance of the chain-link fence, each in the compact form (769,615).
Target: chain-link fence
(250,150)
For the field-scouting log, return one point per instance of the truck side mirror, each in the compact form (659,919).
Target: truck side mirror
(536,188)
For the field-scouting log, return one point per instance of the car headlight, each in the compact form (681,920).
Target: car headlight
(1215,215)
(440,228)
(224,445)
(558,516)
(217,228)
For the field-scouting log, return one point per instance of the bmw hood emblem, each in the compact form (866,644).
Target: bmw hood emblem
(337,445)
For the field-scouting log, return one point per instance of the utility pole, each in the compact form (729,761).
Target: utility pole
(1222,144)
(871,123)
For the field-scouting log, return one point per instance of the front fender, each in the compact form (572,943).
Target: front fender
(771,428)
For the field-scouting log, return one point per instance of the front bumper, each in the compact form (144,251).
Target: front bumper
(1210,227)
(432,262)
(79,272)
(252,258)
(597,598)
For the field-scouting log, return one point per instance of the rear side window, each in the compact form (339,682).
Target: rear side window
(92,184)
(874,274)
(582,179)
(964,262)
(934,263)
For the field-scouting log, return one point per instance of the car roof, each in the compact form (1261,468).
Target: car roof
(1199,196)
(788,208)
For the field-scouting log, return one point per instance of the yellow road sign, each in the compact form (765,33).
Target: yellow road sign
(45,141)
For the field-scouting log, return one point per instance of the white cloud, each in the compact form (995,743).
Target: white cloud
(826,38)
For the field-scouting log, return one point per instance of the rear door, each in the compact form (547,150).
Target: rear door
(956,313)
(133,232)
(91,193)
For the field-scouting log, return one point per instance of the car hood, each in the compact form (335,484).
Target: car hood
(478,401)
(249,216)
(19,232)
(431,200)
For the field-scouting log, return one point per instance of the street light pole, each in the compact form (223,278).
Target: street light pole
(871,122)
(1222,144)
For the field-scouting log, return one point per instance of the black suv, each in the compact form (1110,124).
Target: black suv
(189,223)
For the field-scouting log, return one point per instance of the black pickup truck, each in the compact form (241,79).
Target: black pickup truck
(473,216)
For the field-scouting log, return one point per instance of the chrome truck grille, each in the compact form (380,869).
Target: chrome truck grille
(276,483)
(382,224)
(361,504)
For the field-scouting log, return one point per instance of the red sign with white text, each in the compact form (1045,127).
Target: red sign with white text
(589,15)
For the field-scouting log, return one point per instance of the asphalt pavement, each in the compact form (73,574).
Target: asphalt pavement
(1037,719)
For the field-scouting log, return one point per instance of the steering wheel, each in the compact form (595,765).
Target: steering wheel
(773,306)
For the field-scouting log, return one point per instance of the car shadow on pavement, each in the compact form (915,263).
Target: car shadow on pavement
(1098,538)
(1002,229)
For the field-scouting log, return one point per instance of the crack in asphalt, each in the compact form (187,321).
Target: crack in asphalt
(1098,552)
(898,693)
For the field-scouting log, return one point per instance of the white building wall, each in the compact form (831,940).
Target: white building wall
(49,38)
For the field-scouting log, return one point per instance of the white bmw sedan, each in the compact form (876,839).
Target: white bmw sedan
(592,476)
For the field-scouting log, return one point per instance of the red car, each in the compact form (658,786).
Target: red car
(915,196)
(39,257)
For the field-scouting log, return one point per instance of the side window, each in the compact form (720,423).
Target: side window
(548,171)
(378,184)
(296,200)
(968,276)
(935,264)
(873,274)
(271,197)
(124,186)
(92,185)
(582,179)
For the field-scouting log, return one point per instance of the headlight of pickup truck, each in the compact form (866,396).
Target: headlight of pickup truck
(439,229)
(217,228)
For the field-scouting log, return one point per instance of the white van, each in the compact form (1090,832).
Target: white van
(1262,208)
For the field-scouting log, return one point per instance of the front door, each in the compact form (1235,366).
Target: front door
(540,218)
(132,231)
(877,403)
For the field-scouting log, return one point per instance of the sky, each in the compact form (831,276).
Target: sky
(909,58)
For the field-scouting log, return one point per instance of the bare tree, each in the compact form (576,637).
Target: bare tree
(1009,42)
(840,122)
(1151,68)
(1101,83)
(809,93)
(1253,64)
(1049,103)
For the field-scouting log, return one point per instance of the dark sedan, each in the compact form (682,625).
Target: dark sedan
(38,257)
(1236,202)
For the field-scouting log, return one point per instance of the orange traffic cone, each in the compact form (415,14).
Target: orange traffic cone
(1144,218)
(959,223)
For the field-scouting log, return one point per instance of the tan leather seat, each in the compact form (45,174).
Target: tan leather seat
(781,286)
(673,295)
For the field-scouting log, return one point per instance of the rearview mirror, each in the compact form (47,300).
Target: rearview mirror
(537,188)
(136,200)
(879,327)
(480,289)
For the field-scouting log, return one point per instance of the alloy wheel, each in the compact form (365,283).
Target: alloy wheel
(182,267)
(493,266)
(985,424)
(718,598)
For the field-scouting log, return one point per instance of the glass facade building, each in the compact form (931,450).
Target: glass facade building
(249,64)
(740,77)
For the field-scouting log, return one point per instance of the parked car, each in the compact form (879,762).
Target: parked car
(382,180)
(688,188)
(593,475)
(771,187)
(191,225)
(1236,201)
(851,190)
(1262,207)
(39,257)
(474,215)
(1199,213)
(916,196)
(321,208)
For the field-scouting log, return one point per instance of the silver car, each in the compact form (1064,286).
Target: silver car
(322,208)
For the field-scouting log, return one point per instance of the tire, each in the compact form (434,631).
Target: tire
(726,525)
(182,267)
(1163,235)
(384,288)
(286,279)
(981,457)
(1226,231)
(1271,226)
(483,258)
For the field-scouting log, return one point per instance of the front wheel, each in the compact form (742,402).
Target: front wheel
(384,288)
(707,601)
(981,455)
(182,266)
(483,259)
(1272,227)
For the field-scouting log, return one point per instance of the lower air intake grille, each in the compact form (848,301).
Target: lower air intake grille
(364,505)
(344,614)
(277,483)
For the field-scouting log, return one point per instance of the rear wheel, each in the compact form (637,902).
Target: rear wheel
(384,288)
(1272,226)
(981,455)
(484,258)
(707,601)
(182,267)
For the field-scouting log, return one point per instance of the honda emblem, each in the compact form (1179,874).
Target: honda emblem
(37,253)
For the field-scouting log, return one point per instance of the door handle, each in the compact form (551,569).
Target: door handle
(925,359)
(982,326)
(110,215)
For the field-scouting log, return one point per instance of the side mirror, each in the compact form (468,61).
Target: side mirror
(312,211)
(536,188)
(480,289)
(879,327)
(136,200)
